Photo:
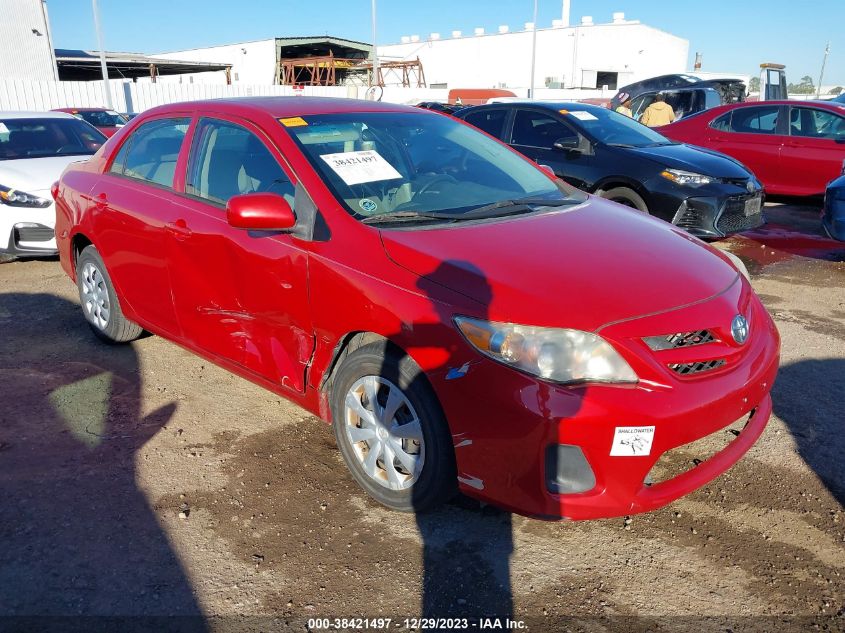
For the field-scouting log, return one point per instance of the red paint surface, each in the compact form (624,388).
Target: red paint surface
(275,309)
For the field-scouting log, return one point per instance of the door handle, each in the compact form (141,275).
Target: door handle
(178,229)
(100,201)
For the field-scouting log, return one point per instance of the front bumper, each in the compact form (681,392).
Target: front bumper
(28,232)
(712,211)
(504,422)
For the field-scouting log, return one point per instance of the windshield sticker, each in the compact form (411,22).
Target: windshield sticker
(368,206)
(582,115)
(356,168)
(632,441)
(3,128)
(294,121)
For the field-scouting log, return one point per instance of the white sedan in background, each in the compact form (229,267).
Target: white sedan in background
(35,148)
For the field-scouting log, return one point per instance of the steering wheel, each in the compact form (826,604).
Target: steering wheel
(437,178)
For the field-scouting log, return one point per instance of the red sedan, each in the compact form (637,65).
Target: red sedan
(462,318)
(793,147)
(107,121)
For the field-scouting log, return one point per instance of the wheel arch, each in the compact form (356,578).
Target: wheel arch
(78,243)
(612,182)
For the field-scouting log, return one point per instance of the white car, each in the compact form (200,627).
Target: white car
(35,148)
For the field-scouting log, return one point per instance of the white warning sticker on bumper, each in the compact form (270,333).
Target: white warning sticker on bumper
(632,441)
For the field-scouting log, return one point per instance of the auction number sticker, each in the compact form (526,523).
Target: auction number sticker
(632,441)
(582,115)
(355,168)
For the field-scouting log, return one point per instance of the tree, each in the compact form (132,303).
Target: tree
(836,91)
(806,86)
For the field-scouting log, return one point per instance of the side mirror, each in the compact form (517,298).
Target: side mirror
(260,212)
(568,144)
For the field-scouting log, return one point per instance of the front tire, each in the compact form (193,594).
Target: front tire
(391,431)
(100,304)
(625,196)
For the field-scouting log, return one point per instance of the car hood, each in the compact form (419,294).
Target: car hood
(581,267)
(35,174)
(694,159)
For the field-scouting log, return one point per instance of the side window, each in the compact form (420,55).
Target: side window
(723,123)
(490,121)
(639,104)
(755,120)
(812,123)
(535,129)
(151,151)
(228,160)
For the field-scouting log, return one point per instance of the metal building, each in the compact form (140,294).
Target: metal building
(26,47)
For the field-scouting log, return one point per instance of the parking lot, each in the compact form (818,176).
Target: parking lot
(143,480)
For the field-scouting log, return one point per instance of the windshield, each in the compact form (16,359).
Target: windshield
(612,128)
(101,118)
(408,163)
(37,138)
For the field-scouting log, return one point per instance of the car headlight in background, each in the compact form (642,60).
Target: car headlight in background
(16,198)
(557,355)
(681,177)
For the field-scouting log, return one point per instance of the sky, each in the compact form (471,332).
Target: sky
(734,36)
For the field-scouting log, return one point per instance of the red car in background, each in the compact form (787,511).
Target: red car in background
(107,121)
(793,147)
(472,324)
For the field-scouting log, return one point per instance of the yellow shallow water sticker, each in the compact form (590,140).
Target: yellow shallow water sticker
(564,111)
(294,121)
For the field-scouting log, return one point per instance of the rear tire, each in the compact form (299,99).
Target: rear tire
(99,301)
(625,196)
(398,448)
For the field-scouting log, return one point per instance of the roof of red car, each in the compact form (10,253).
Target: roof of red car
(804,102)
(287,106)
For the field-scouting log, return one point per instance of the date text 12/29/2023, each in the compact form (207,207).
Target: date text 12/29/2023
(415,624)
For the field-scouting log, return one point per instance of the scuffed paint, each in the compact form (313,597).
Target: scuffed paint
(458,372)
(461,440)
(472,482)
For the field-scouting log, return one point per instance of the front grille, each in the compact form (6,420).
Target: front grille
(681,459)
(33,234)
(687,369)
(681,339)
(733,218)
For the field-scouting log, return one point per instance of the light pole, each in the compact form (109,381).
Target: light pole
(533,52)
(375,49)
(821,75)
(104,67)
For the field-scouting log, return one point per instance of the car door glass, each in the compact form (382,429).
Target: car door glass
(150,153)
(536,129)
(490,121)
(813,123)
(723,123)
(756,120)
(639,104)
(228,160)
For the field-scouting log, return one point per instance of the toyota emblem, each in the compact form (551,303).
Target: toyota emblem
(739,329)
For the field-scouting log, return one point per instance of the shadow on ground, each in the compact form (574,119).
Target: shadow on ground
(78,536)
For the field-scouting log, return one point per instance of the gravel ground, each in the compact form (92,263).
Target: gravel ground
(142,481)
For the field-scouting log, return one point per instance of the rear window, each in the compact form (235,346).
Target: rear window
(101,118)
(39,138)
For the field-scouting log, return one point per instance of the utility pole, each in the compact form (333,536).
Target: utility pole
(533,53)
(821,76)
(103,64)
(374,80)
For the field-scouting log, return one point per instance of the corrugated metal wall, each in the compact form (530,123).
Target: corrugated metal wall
(22,94)
(26,49)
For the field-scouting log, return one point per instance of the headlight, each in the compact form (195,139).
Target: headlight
(557,355)
(680,177)
(16,198)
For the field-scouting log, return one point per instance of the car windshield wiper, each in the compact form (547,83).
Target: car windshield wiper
(407,216)
(496,209)
(509,207)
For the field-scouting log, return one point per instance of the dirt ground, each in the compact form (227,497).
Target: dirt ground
(102,447)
